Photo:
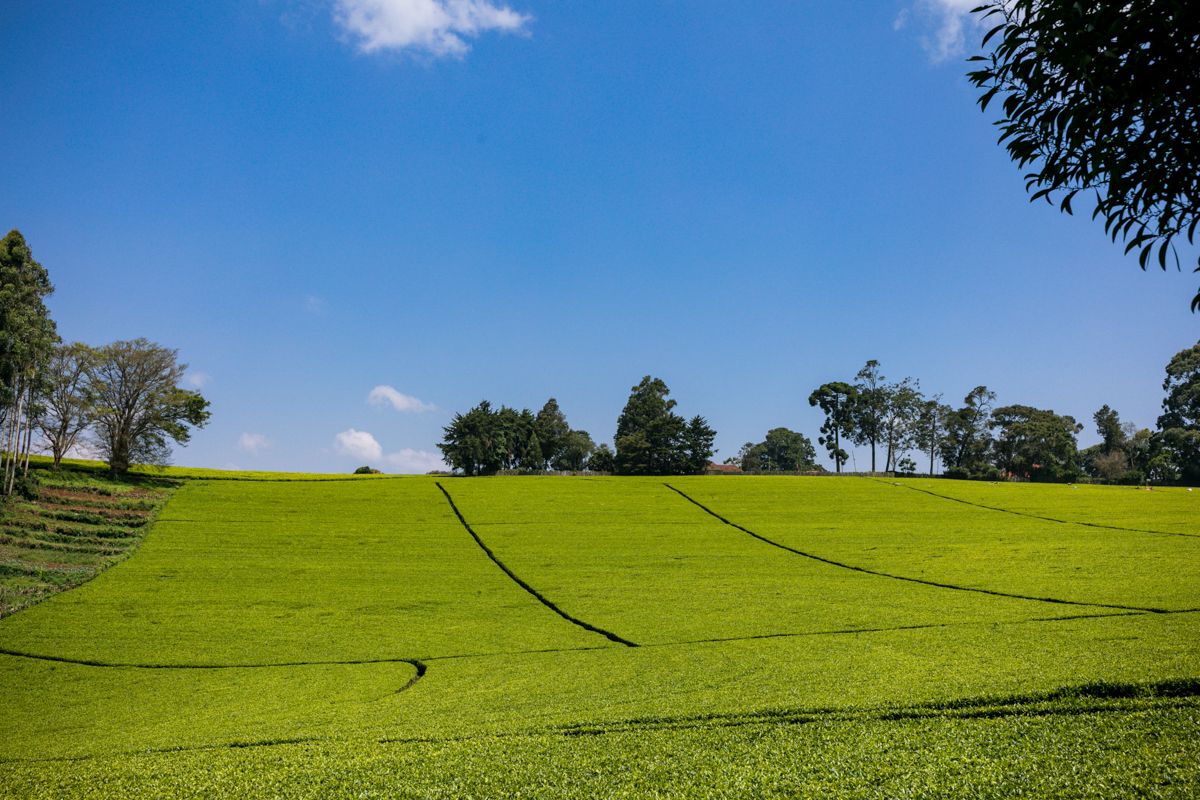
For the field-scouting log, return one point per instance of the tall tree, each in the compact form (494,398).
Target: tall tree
(1101,97)
(27,339)
(837,401)
(902,407)
(698,445)
(930,429)
(1179,426)
(869,408)
(1108,425)
(967,440)
(133,388)
(68,412)
(552,430)
(653,440)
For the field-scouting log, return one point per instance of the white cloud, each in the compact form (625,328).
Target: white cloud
(359,444)
(435,27)
(415,462)
(252,443)
(314,305)
(401,402)
(946,23)
(198,379)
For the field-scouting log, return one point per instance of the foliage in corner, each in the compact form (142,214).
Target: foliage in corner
(1102,96)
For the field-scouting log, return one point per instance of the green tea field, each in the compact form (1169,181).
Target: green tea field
(621,637)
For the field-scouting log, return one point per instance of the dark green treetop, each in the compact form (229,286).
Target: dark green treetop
(837,401)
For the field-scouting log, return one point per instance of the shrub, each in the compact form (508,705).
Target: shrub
(367,471)
(993,473)
(957,473)
(28,486)
(1133,477)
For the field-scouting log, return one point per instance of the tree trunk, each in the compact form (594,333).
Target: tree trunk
(28,446)
(14,440)
(837,448)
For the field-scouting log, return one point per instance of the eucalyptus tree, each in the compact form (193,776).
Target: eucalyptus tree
(869,408)
(967,441)
(27,340)
(68,412)
(902,407)
(552,429)
(929,430)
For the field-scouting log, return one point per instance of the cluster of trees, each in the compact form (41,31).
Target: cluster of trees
(122,399)
(782,451)
(979,439)
(1172,452)
(651,439)
(487,440)
(871,412)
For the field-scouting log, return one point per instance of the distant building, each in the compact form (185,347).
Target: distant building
(721,469)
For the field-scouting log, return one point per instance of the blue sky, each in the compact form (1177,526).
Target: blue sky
(460,200)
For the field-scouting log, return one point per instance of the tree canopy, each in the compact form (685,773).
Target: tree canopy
(486,440)
(653,440)
(137,404)
(1034,442)
(27,340)
(1101,97)
(782,451)
(837,400)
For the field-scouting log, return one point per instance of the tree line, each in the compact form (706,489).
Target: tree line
(980,440)
(894,419)
(122,400)
(651,439)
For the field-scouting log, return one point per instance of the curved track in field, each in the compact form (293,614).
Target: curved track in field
(952,586)
(1037,516)
(612,637)
(418,665)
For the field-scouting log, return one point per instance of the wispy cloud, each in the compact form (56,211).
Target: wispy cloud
(314,305)
(400,402)
(359,444)
(433,27)
(945,25)
(415,462)
(198,379)
(253,442)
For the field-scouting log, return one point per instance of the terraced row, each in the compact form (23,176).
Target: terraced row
(71,533)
